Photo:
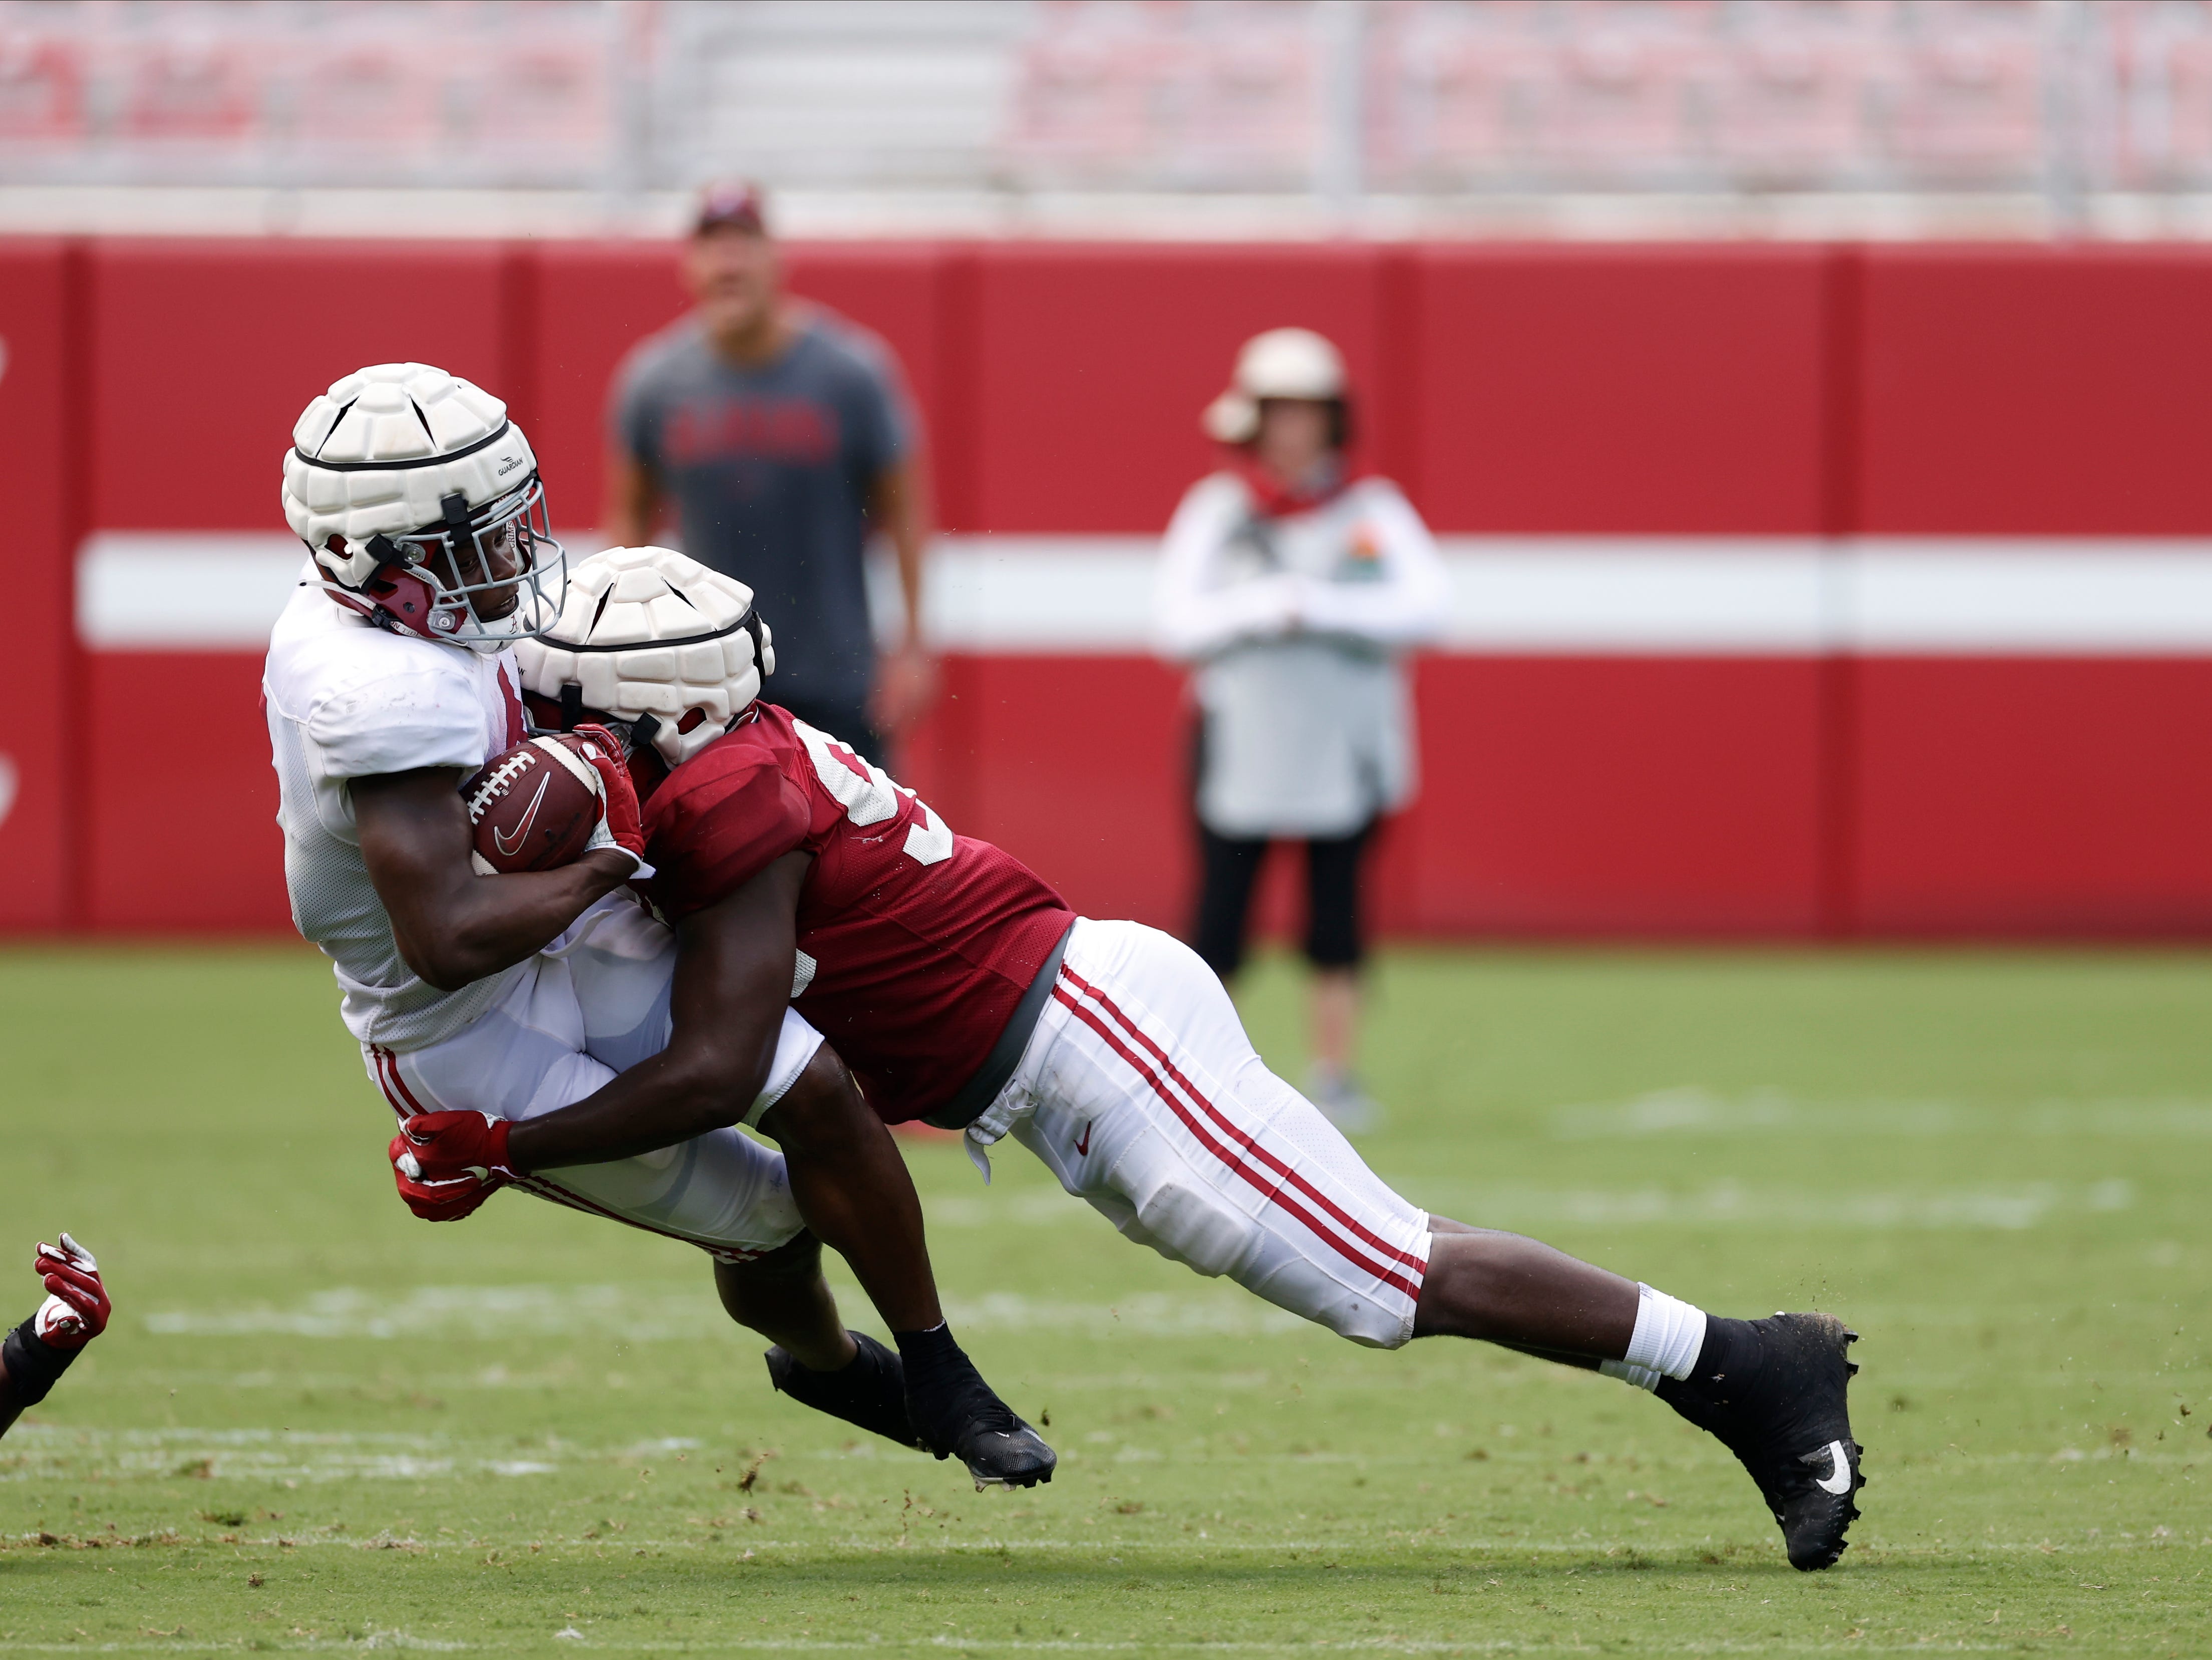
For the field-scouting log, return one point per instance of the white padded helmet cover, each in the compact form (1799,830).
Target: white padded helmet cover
(395,412)
(650,615)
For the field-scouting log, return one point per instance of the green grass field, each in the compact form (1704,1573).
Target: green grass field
(320,1424)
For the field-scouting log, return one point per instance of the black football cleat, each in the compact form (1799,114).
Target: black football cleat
(959,1415)
(869,1393)
(1779,1406)
(1000,1450)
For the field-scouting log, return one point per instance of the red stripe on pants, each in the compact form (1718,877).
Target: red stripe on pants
(1236,1132)
(1272,1192)
(546,1189)
(390,1063)
(404,1106)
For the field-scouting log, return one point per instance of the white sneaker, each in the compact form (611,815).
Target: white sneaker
(1342,1101)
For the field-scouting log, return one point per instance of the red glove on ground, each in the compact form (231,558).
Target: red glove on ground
(76,1308)
(625,822)
(446,1163)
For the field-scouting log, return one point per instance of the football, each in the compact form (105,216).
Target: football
(533,806)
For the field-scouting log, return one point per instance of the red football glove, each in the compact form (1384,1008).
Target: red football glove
(446,1163)
(444,1200)
(76,1308)
(618,794)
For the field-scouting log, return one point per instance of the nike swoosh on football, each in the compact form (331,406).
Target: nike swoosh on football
(522,831)
(1838,1480)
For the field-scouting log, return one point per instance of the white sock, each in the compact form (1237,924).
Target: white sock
(1668,1334)
(1642,1377)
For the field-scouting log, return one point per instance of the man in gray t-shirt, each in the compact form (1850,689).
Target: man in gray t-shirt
(782,437)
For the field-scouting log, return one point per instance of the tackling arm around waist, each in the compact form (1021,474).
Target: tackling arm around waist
(733,970)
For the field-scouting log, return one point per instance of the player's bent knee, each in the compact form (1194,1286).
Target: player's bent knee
(818,1113)
(798,1259)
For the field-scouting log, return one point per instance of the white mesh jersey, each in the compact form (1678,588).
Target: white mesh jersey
(347,700)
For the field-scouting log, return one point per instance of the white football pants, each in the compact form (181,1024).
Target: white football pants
(592,1004)
(1143,1095)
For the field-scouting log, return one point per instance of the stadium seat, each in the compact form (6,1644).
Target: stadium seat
(550,101)
(1972,106)
(1798,105)
(1617,107)
(1166,95)
(1082,102)
(367,94)
(41,90)
(2165,138)
(1254,114)
(1449,106)
(190,90)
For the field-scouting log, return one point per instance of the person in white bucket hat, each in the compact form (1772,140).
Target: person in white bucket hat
(1294,586)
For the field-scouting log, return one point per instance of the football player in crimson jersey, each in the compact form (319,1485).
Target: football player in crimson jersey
(391,676)
(962,991)
(36,1355)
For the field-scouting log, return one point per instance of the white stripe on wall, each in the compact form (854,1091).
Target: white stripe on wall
(1966,595)
(1017,595)
(183,591)
(1658,594)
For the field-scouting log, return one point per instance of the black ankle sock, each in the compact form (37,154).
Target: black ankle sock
(1730,1347)
(929,1355)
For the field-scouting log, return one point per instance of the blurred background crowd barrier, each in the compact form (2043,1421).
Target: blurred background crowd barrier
(1416,116)
(1813,400)
(1799,591)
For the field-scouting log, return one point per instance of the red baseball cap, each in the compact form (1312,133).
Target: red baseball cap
(737,204)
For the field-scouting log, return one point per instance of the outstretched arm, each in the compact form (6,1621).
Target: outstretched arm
(36,1353)
(733,973)
(452,925)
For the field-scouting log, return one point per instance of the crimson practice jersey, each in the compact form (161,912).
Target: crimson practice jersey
(919,942)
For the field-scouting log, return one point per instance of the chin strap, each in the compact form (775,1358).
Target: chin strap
(453,507)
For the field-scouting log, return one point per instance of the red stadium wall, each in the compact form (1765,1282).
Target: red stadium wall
(41,416)
(1642,392)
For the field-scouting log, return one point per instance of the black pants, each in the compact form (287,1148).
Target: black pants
(1230,864)
(847,723)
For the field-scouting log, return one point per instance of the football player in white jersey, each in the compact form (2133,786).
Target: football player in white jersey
(391,676)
